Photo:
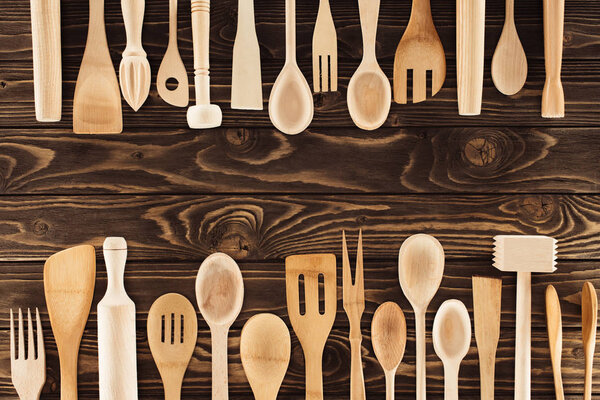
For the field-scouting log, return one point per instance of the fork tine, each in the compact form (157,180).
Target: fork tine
(419,85)
(40,336)
(30,343)
(12,336)
(21,337)
(346,274)
(400,89)
(325,73)
(316,73)
(333,73)
(178,337)
(358,278)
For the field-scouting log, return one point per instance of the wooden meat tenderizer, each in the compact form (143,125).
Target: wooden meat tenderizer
(524,254)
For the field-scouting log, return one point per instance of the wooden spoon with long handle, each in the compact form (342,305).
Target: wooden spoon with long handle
(554,325)
(589,321)
(553,96)
(69,279)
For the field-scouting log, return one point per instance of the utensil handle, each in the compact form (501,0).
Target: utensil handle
(589,362)
(390,386)
(523,338)
(487,369)
(133,18)
(553,97)
(172,389)
(451,383)
(220,386)
(357,380)
(421,366)
(47,73)
(369,14)
(173,22)
(509,12)
(314,375)
(290,31)
(115,260)
(200,37)
(68,374)
(245,23)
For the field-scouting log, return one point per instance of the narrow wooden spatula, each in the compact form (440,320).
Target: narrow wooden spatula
(554,326)
(589,322)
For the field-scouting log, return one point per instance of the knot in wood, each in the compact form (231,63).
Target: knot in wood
(240,140)
(40,228)
(137,155)
(480,151)
(537,208)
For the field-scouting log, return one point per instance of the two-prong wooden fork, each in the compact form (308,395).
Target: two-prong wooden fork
(354,305)
(324,51)
(28,373)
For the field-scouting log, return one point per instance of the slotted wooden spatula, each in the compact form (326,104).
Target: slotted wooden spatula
(311,327)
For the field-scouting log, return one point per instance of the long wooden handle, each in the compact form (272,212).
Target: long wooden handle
(68,372)
(421,361)
(220,386)
(133,18)
(554,327)
(290,31)
(553,97)
(172,23)
(200,37)
(357,380)
(47,73)
(486,372)
(451,382)
(314,375)
(369,14)
(390,387)
(589,362)
(523,338)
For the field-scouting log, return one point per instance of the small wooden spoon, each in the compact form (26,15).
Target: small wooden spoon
(451,340)
(388,331)
(220,294)
(554,325)
(589,321)
(265,348)
(420,271)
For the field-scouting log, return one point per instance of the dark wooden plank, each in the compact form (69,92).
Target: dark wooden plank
(324,161)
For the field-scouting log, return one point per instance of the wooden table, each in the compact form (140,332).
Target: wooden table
(177,195)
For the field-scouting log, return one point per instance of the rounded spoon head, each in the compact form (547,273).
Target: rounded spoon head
(420,269)
(369,97)
(452,331)
(291,106)
(219,290)
(172,66)
(509,63)
(388,335)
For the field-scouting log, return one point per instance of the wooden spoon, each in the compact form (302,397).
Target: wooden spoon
(509,64)
(451,340)
(265,348)
(220,294)
(69,278)
(388,335)
(291,105)
(554,325)
(420,271)
(589,321)
(369,90)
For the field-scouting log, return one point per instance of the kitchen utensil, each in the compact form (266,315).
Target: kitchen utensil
(420,271)
(420,50)
(265,348)
(509,64)
(369,91)
(172,67)
(554,325)
(324,51)
(451,336)
(312,327)
(388,331)
(487,295)
(69,278)
(134,71)
(97,99)
(524,254)
(291,104)
(354,305)
(470,34)
(117,364)
(203,115)
(589,321)
(220,293)
(47,71)
(172,334)
(246,81)
(28,373)
(553,96)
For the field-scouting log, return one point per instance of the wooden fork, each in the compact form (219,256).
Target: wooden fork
(324,49)
(28,373)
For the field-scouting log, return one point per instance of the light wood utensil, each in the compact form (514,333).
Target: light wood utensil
(420,271)
(509,63)
(203,115)
(172,334)
(291,106)
(470,34)
(172,67)
(324,51)
(69,278)
(354,305)
(369,91)
(524,254)
(589,321)
(553,96)
(487,303)
(451,336)
(246,81)
(97,100)
(117,365)
(388,335)
(420,50)
(312,328)
(220,294)
(265,348)
(28,373)
(47,71)
(554,325)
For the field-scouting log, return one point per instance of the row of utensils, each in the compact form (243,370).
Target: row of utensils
(265,343)
(97,100)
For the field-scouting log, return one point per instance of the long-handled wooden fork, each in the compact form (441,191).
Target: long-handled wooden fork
(324,51)
(28,373)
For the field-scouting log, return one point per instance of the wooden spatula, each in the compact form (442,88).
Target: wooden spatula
(589,322)
(554,325)
(69,278)
(172,332)
(311,327)
(97,101)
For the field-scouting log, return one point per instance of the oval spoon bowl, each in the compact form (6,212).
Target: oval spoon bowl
(369,97)
(291,105)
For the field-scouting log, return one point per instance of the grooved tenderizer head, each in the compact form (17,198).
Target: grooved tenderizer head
(525,253)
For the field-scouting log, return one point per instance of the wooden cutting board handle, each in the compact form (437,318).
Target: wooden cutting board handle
(553,97)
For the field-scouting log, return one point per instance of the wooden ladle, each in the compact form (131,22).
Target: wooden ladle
(265,348)
(220,294)
(388,332)
(420,271)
